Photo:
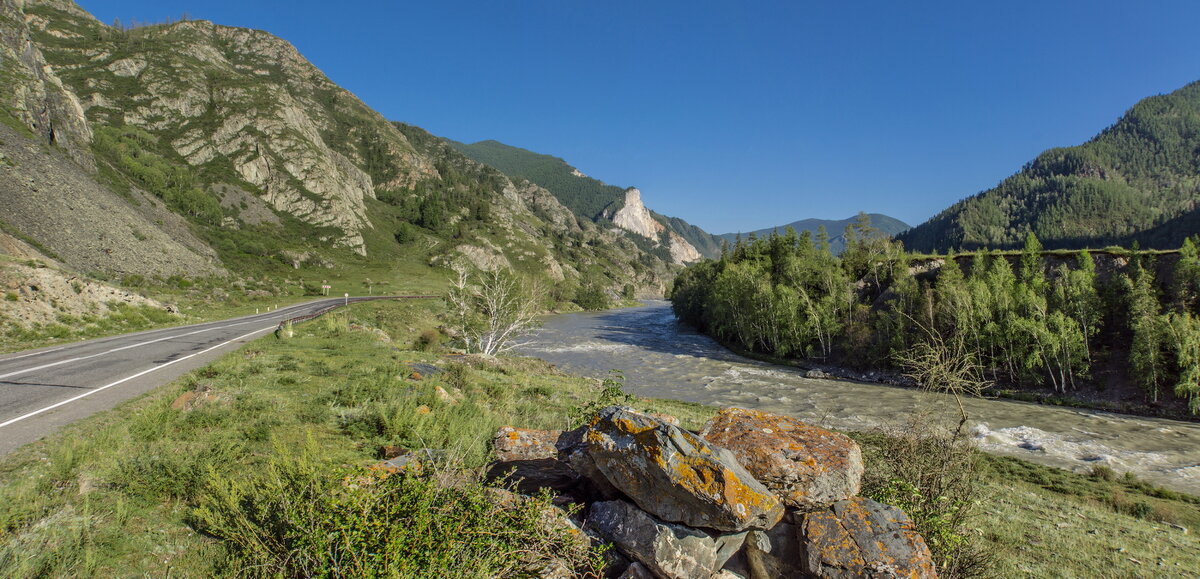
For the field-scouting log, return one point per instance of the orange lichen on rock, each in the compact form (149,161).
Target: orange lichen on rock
(808,467)
(525,443)
(862,538)
(676,475)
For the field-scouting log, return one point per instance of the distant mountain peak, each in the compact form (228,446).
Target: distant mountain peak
(835,228)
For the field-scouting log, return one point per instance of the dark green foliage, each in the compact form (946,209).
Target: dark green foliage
(1136,180)
(592,295)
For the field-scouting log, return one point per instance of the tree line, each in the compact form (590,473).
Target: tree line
(1028,319)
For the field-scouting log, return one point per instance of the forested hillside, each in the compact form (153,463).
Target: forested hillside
(588,197)
(1070,323)
(880,223)
(1137,180)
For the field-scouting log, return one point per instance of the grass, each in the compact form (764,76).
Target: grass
(123,491)
(183,481)
(1043,522)
(216,298)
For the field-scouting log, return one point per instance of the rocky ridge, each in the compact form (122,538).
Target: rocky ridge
(167,149)
(678,505)
(635,218)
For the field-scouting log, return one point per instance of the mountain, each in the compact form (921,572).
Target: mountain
(190,148)
(1139,179)
(593,199)
(834,228)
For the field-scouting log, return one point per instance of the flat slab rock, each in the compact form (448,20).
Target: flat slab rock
(675,475)
(658,548)
(862,538)
(807,467)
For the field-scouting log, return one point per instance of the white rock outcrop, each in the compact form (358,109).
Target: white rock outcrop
(635,218)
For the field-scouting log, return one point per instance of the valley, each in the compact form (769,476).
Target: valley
(171,191)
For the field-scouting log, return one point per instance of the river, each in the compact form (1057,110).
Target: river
(664,359)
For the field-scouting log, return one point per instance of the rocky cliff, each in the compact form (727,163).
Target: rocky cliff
(591,198)
(34,96)
(635,218)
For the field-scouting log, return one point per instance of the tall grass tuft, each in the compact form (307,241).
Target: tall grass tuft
(302,517)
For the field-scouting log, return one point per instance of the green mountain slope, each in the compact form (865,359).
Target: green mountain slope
(190,148)
(1137,180)
(588,197)
(584,195)
(834,228)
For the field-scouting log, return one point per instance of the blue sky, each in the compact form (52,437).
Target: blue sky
(743,115)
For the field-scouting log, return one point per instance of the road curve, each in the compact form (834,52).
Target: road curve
(45,389)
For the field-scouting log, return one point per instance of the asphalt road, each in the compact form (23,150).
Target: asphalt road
(45,389)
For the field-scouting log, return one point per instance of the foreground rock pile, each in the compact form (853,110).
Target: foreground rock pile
(752,495)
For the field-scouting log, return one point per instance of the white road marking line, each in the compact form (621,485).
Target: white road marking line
(136,345)
(128,378)
(34,354)
(273,315)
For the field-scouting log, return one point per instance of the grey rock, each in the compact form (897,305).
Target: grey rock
(774,553)
(675,475)
(636,570)
(668,550)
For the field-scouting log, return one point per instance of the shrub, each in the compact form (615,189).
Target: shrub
(591,296)
(931,473)
(1104,472)
(429,340)
(611,394)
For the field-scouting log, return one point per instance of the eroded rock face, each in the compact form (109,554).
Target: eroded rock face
(635,218)
(676,475)
(666,549)
(807,467)
(34,94)
(862,538)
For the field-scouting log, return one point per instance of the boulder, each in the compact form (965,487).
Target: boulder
(529,460)
(675,475)
(807,467)
(666,549)
(593,486)
(859,537)
(525,444)
(774,554)
(636,570)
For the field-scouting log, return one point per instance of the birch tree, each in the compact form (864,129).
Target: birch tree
(488,310)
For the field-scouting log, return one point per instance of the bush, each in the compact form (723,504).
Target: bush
(429,340)
(591,296)
(931,473)
(612,393)
(1104,472)
(300,518)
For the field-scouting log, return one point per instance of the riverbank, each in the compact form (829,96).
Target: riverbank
(139,490)
(1091,399)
